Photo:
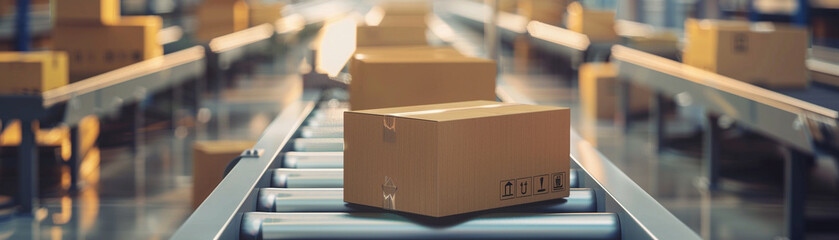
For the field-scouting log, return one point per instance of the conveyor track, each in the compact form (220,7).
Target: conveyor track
(305,201)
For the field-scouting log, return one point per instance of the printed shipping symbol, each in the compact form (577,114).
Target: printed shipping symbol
(542,187)
(508,189)
(541,184)
(523,187)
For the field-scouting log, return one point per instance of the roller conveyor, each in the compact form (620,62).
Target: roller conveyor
(322,132)
(308,178)
(319,144)
(313,160)
(393,226)
(307,189)
(304,192)
(331,200)
(329,177)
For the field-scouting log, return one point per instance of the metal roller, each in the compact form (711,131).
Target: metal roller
(326,122)
(333,113)
(302,200)
(332,200)
(322,132)
(333,104)
(330,178)
(308,178)
(319,144)
(392,226)
(313,160)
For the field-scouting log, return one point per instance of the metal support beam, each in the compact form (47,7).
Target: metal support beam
(622,115)
(22,26)
(657,123)
(27,192)
(76,157)
(795,193)
(711,151)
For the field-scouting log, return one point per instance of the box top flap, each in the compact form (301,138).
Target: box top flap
(457,111)
(431,57)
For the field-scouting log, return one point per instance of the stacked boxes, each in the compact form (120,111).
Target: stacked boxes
(764,54)
(447,159)
(32,72)
(98,40)
(599,92)
(220,17)
(405,76)
(596,24)
(209,159)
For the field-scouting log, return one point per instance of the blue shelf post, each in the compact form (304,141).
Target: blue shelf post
(22,26)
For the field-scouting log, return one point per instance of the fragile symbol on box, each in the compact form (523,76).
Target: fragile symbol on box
(508,189)
(558,181)
(540,184)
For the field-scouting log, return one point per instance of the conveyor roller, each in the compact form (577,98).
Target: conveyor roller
(308,178)
(313,160)
(331,178)
(392,226)
(319,144)
(322,132)
(332,200)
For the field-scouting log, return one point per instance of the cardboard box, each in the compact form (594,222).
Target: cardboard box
(409,51)
(392,35)
(414,20)
(32,72)
(546,11)
(406,8)
(261,13)
(209,160)
(658,43)
(218,19)
(97,49)
(764,54)
(598,25)
(383,80)
(446,159)
(599,92)
(87,12)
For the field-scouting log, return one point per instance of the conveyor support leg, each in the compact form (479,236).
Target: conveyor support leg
(27,192)
(711,151)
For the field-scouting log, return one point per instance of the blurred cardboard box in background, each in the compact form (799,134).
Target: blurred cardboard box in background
(764,54)
(599,92)
(87,12)
(209,159)
(219,18)
(32,72)
(419,77)
(598,25)
(97,49)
